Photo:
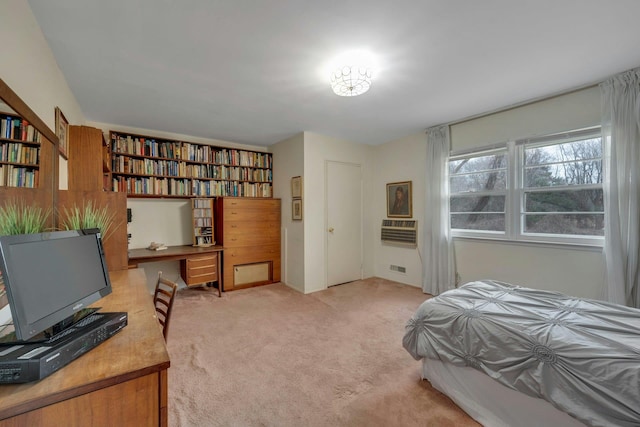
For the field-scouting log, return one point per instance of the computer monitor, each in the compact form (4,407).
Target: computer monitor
(50,277)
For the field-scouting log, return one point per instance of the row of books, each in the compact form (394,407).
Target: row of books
(187,187)
(202,204)
(122,164)
(14,176)
(127,144)
(18,128)
(202,221)
(204,240)
(231,188)
(243,158)
(204,231)
(152,186)
(18,153)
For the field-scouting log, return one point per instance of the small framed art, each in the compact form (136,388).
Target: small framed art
(296,187)
(62,132)
(399,200)
(296,209)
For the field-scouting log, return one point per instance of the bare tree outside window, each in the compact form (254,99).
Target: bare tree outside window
(559,186)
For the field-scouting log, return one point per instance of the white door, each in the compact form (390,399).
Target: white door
(344,222)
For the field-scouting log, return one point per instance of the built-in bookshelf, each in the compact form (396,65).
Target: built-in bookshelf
(19,152)
(146,166)
(202,210)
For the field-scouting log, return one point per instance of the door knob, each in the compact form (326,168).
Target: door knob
(330,230)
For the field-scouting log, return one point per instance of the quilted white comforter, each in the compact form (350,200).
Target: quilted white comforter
(583,356)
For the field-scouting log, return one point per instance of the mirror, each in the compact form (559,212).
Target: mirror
(45,194)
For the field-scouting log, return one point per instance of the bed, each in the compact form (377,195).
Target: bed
(510,355)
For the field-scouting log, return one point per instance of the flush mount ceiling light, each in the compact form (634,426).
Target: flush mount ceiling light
(351,73)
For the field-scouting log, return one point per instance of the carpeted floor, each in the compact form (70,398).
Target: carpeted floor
(270,356)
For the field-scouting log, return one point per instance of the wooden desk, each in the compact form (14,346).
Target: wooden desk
(121,382)
(184,254)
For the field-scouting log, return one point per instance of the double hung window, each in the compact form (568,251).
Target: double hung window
(546,189)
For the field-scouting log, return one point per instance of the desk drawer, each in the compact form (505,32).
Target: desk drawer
(238,238)
(251,203)
(250,254)
(251,215)
(199,270)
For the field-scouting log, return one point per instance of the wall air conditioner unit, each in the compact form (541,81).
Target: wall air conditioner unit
(399,232)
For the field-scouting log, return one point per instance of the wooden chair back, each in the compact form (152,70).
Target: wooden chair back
(163,300)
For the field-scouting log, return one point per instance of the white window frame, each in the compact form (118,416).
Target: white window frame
(515,191)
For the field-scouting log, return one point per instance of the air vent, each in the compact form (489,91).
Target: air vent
(401,232)
(398,268)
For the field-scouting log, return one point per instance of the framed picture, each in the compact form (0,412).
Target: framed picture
(296,209)
(296,187)
(62,132)
(399,203)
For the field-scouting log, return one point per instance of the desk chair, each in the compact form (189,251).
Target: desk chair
(163,300)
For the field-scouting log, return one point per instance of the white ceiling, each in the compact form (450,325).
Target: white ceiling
(249,71)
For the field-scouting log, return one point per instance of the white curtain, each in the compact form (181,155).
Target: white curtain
(439,267)
(621,135)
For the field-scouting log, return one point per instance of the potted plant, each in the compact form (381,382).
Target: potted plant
(20,218)
(87,216)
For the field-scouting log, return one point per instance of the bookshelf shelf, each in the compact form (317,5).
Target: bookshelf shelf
(19,152)
(202,214)
(146,166)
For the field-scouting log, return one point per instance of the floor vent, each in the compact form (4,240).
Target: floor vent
(398,268)
(402,232)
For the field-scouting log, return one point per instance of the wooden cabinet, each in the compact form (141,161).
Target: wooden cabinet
(249,230)
(200,270)
(202,222)
(146,166)
(87,163)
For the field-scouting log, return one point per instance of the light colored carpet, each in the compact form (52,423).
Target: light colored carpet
(270,356)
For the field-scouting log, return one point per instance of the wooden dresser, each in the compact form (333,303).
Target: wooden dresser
(249,231)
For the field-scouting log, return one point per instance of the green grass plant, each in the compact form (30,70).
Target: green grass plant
(20,218)
(88,216)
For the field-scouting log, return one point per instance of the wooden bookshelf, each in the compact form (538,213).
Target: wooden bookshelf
(146,166)
(202,215)
(19,152)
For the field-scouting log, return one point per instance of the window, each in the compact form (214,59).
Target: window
(544,189)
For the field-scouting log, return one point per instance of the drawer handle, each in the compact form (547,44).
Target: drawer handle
(234,226)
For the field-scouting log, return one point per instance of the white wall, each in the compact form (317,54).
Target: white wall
(400,160)
(27,65)
(566,269)
(319,149)
(577,272)
(289,162)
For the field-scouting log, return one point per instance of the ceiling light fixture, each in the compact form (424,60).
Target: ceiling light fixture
(351,73)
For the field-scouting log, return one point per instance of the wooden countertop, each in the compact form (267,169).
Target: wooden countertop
(141,255)
(138,350)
